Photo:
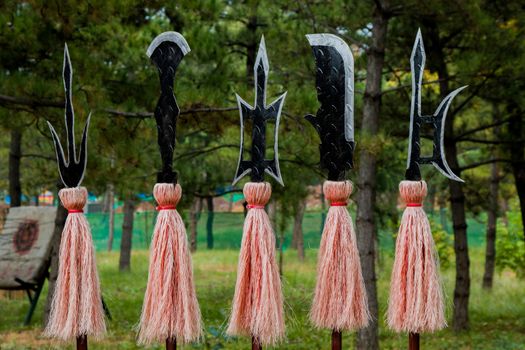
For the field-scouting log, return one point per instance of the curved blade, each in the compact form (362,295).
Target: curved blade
(167,51)
(73,168)
(335,91)
(441,116)
(335,67)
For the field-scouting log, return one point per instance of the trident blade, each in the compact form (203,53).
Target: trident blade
(71,170)
(437,120)
(335,91)
(260,115)
(167,51)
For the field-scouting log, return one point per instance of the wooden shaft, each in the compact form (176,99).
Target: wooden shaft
(171,344)
(255,344)
(413,341)
(337,340)
(82,343)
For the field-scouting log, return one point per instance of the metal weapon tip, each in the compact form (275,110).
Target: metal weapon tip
(262,42)
(418,43)
(174,37)
(262,57)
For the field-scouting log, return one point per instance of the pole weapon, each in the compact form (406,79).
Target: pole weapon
(73,169)
(334,120)
(437,120)
(167,51)
(417,119)
(260,114)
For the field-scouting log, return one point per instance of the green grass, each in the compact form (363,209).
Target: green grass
(497,317)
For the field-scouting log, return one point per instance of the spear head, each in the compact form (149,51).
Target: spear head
(260,114)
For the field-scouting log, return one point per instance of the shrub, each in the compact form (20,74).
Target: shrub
(510,246)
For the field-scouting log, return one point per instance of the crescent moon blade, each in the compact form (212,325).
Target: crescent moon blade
(441,114)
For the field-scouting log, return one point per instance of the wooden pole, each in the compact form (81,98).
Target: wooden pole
(171,344)
(255,344)
(413,341)
(337,340)
(82,343)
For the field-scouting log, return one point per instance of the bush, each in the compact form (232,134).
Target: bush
(510,246)
(444,244)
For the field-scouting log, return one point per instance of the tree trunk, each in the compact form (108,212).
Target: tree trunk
(194,220)
(504,209)
(490,249)
(367,338)
(127,235)
(517,151)
(457,196)
(209,223)
(298,237)
(60,220)
(492,213)
(15,153)
(111,211)
(252,41)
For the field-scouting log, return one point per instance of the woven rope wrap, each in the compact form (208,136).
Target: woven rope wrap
(340,301)
(416,297)
(76,308)
(167,194)
(257,193)
(413,191)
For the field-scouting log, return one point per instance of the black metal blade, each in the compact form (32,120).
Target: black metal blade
(259,115)
(437,120)
(334,119)
(73,169)
(167,51)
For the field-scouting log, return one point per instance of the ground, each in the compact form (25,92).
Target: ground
(497,317)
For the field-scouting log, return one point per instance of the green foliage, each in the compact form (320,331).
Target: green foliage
(510,247)
(444,244)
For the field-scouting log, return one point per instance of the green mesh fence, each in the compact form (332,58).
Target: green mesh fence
(227,230)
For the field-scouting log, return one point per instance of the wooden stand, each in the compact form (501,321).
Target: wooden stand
(255,344)
(171,344)
(413,341)
(337,340)
(82,343)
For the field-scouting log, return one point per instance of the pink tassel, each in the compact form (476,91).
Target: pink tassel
(340,301)
(257,308)
(76,308)
(170,309)
(416,296)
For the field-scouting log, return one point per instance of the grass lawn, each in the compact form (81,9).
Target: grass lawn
(497,317)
